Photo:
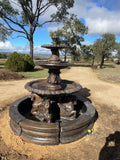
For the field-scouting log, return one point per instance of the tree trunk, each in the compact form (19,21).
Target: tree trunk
(102,61)
(65,57)
(93,60)
(31,43)
(31,47)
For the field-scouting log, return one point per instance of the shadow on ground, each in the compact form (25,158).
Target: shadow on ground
(36,69)
(85,93)
(111,149)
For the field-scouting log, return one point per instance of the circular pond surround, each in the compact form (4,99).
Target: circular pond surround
(32,130)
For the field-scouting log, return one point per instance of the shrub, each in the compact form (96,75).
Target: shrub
(19,62)
(29,61)
(2,55)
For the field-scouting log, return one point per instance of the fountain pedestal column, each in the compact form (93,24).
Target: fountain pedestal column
(54,79)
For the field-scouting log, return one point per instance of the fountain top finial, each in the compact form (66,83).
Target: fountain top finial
(55,39)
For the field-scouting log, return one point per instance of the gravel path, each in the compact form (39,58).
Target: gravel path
(106,99)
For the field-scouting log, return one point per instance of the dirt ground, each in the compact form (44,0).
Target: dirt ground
(6,75)
(103,144)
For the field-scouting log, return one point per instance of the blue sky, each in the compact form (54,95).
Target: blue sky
(101,16)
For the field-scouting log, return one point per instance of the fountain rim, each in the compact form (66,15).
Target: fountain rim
(46,92)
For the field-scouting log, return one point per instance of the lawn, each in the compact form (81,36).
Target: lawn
(110,73)
(38,72)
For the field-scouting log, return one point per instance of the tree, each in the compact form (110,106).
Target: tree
(28,17)
(72,33)
(75,54)
(97,49)
(104,46)
(117,48)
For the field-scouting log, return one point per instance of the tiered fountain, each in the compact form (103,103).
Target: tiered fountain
(54,113)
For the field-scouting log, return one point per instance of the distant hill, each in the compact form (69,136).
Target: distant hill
(41,56)
(35,55)
(7,53)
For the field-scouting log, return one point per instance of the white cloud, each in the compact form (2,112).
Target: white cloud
(54,26)
(99,20)
(8,47)
(40,50)
(101,26)
(80,8)
(86,43)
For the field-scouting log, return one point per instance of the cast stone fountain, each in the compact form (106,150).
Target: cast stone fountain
(54,113)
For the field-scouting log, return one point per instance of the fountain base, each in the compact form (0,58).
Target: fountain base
(30,129)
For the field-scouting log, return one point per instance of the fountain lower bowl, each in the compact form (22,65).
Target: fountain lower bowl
(25,125)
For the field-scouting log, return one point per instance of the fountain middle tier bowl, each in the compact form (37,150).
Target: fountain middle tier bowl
(42,87)
(46,64)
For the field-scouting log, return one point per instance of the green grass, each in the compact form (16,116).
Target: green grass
(2,61)
(36,73)
(110,73)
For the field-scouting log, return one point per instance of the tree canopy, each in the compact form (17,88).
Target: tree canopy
(29,15)
(104,46)
(4,33)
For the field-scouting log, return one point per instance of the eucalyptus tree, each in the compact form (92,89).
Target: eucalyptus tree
(104,46)
(97,48)
(24,16)
(72,33)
